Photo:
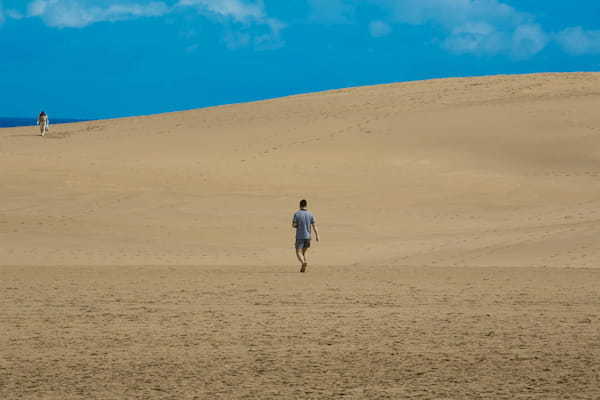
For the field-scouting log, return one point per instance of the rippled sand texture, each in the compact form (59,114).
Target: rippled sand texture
(268,332)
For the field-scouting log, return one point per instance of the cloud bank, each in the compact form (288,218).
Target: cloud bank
(245,21)
(81,13)
(479,27)
(331,12)
(252,25)
(236,9)
(578,41)
(475,27)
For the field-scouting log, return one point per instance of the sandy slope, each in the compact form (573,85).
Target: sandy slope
(495,171)
(150,258)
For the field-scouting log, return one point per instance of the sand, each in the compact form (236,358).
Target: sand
(268,332)
(151,257)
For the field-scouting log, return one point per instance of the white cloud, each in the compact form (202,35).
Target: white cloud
(238,10)
(578,41)
(266,37)
(474,26)
(528,40)
(331,11)
(271,39)
(81,13)
(37,8)
(379,29)
(476,37)
(251,25)
(482,38)
(245,21)
(450,13)
(470,26)
(14,14)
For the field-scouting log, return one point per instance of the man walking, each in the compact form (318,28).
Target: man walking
(304,222)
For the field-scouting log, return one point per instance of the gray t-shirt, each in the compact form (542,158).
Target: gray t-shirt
(303,220)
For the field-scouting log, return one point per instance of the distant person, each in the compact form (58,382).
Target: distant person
(43,122)
(304,223)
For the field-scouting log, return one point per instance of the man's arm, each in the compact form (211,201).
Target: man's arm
(314,226)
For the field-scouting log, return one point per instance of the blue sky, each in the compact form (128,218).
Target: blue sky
(110,58)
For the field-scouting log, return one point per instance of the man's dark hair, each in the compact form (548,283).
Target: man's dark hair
(303,203)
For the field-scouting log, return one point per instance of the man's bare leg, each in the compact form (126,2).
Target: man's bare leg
(305,263)
(300,255)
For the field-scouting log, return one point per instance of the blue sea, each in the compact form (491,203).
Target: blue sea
(12,122)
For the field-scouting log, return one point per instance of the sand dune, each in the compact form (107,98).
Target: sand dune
(151,257)
(493,171)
